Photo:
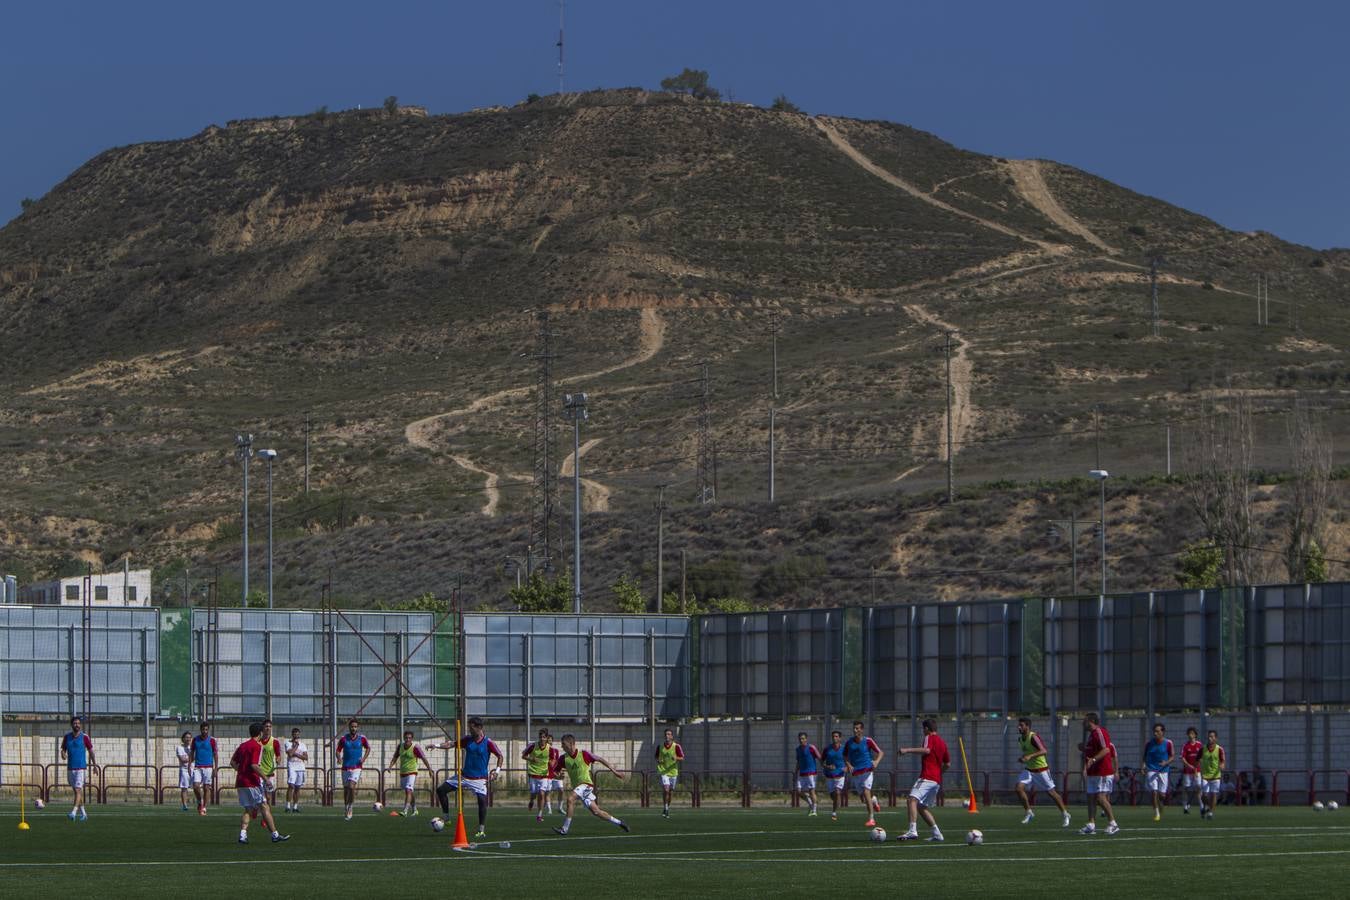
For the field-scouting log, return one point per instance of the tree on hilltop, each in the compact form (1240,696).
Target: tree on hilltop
(391,104)
(691,81)
(782,104)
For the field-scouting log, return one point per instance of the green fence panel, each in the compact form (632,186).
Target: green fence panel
(175,662)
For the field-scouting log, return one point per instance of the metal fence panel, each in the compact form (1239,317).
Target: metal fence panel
(771,664)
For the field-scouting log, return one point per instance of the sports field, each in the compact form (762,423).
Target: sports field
(142,851)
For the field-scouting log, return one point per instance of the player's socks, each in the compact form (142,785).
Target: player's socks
(1067,818)
(614,820)
(567,825)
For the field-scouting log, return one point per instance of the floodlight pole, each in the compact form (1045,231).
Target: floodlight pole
(574,407)
(268,455)
(1101,475)
(244,450)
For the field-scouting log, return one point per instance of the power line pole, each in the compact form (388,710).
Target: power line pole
(575,405)
(543,493)
(560,46)
(1071,525)
(660,545)
(1097,430)
(775,325)
(772,413)
(1153,277)
(243,444)
(706,455)
(947,352)
(684,603)
(306,454)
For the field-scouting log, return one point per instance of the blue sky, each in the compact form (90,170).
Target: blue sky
(1237,110)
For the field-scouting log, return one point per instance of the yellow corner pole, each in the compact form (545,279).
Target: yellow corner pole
(23,822)
(970,785)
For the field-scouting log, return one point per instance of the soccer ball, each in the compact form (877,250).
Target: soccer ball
(1317,806)
(1332,806)
(378,807)
(975,837)
(438,824)
(879,834)
(38,804)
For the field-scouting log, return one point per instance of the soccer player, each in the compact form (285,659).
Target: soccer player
(835,764)
(539,758)
(1212,763)
(271,753)
(184,753)
(204,753)
(1099,773)
(861,756)
(807,754)
(474,772)
(1036,774)
(1190,770)
(297,754)
(406,756)
(1158,756)
(352,750)
(78,752)
(248,780)
(924,794)
(578,765)
(668,757)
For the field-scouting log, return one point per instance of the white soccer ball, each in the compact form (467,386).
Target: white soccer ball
(879,834)
(975,837)
(377,807)
(1332,806)
(38,804)
(1317,806)
(438,824)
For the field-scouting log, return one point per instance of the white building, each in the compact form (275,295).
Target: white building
(117,588)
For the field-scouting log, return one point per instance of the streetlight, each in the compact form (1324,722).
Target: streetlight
(269,455)
(514,564)
(574,407)
(1101,475)
(243,444)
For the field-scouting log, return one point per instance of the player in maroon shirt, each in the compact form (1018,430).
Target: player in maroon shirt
(923,796)
(1190,770)
(248,781)
(1099,773)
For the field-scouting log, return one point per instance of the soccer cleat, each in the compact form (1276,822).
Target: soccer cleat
(1186,810)
(185,809)
(624,826)
(812,813)
(201,810)
(1157,817)
(834,817)
(935,839)
(909,836)
(278,838)
(242,839)
(480,833)
(870,823)
(1112,828)
(71,815)
(84,816)
(414,812)
(1067,818)
(665,814)
(347,817)
(1089,828)
(560,831)
(539,818)
(1026,820)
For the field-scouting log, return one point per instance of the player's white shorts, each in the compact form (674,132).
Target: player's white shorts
(926,792)
(586,794)
(250,797)
(1040,781)
(184,779)
(76,777)
(806,782)
(836,783)
(202,775)
(1101,784)
(538,785)
(1192,780)
(295,777)
(407,782)
(269,784)
(668,782)
(1212,786)
(555,784)
(351,776)
(862,782)
(472,785)
(1156,781)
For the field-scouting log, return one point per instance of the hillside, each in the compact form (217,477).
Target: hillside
(381,274)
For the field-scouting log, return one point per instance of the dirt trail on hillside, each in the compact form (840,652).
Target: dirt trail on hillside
(651,338)
(853,153)
(594,495)
(1030,183)
(963,411)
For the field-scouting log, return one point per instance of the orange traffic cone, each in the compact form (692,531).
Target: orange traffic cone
(971,807)
(461,835)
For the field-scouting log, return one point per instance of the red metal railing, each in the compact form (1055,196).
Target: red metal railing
(58,784)
(34,778)
(149,780)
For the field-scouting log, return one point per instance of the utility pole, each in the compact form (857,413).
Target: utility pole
(306,454)
(1097,430)
(684,602)
(706,459)
(660,545)
(1071,526)
(1169,449)
(574,405)
(947,352)
(243,444)
(1153,277)
(775,325)
(543,492)
(560,46)
(771,453)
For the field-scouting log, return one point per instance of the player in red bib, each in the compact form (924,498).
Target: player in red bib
(1190,770)
(1099,773)
(923,796)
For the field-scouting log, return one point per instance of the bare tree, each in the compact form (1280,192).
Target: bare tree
(1219,483)
(1310,449)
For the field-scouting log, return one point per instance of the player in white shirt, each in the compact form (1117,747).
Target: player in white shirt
(184,753)
(297,755)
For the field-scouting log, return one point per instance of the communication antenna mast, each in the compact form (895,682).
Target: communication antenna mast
(560,46)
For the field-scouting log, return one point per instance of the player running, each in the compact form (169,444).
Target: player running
(578,765)
(1158,757)
(1036,774)
(835,764)
(248,781)
(1190,770)
(184,754)
(668,757)
(1212,763)
(474,772)
(861,756)
(271,755)
(1099,773)
(807,755)
(78,753)
(352,751)
(923,796)
(539,758)
(204,755)
(405,758)
(297,755)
